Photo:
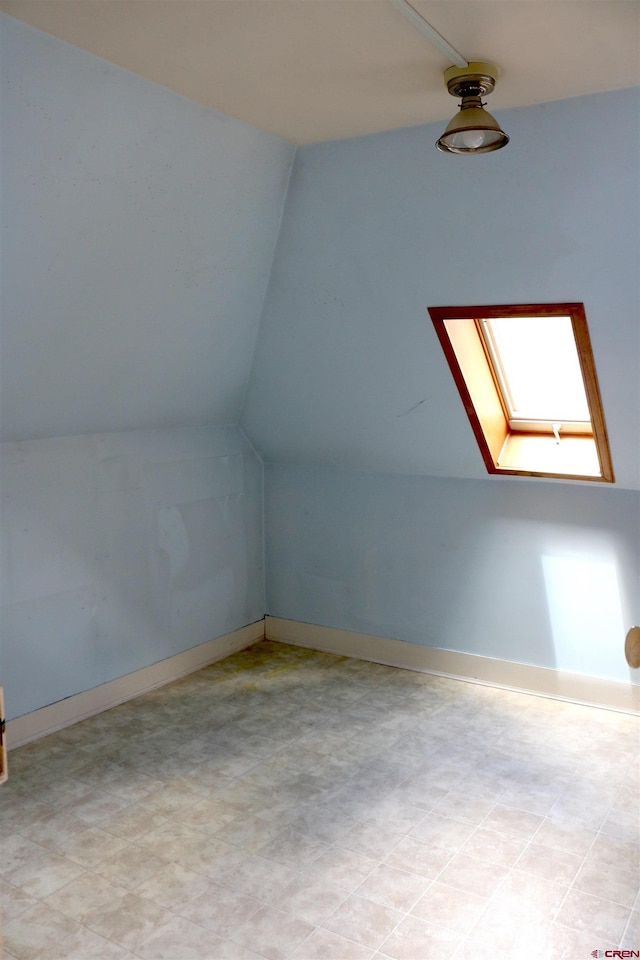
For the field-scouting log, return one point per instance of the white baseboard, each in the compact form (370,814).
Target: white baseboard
(54,717)
(521,677)
(561,685)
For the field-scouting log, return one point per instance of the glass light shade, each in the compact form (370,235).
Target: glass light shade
(473,130)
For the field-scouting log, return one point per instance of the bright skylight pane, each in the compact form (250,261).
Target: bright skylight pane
(541,368)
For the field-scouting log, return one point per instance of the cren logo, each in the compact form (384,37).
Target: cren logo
(621,954)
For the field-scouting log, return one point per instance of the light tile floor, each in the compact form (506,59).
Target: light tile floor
(291,804)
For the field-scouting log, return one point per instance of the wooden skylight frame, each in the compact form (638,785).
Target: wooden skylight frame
(583,455)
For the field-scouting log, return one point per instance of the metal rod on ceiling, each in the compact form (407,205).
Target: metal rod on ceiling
(429,32)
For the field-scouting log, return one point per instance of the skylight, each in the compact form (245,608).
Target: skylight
(538,370)
(527,378)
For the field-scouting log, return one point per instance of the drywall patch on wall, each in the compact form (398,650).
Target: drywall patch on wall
(111,562)
(173,539)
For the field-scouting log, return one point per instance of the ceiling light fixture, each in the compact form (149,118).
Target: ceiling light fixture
(472,130)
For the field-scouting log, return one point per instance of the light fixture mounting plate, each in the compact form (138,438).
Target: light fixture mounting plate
(477,79)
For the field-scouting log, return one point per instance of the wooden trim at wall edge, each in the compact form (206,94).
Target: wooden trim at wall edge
(505,674)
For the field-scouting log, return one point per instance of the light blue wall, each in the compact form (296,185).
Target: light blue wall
(348,374)
(138,234)
(544,574)
(121,549)
(348,370)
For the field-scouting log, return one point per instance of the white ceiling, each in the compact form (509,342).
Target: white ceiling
(313,70)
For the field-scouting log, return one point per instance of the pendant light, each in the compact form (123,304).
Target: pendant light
(472,130)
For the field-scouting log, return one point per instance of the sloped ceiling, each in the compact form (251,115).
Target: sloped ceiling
(311,70)
(138,236)
(140,230)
